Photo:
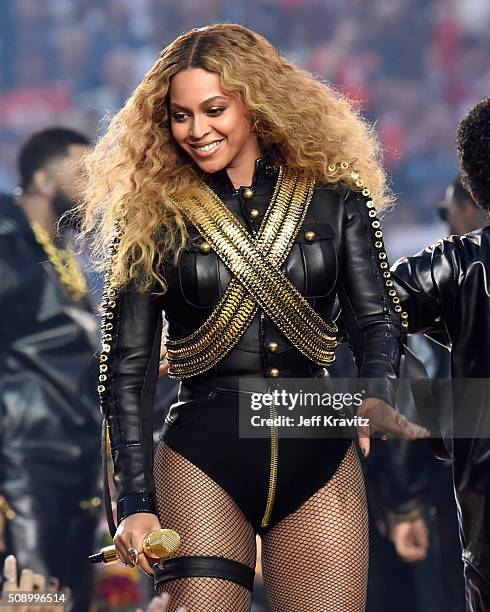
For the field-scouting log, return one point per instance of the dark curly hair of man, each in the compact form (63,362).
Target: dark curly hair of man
(473,141)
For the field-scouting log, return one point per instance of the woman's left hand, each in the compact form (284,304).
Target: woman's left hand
(384,419)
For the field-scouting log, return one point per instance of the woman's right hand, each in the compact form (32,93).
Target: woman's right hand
(384,419)
(131,533)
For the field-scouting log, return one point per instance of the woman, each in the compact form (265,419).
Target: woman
(236,184)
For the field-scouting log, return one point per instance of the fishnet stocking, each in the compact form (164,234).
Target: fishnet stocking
(316,559)
(210,524)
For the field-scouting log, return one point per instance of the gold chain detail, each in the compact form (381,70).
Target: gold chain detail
(63,262)
(234,302)
(232,315)
(255,266)
(109,303)
(358,184)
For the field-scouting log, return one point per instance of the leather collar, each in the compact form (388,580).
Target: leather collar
(265,172)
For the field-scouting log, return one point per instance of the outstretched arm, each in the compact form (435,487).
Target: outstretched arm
(374,318)
(419,281)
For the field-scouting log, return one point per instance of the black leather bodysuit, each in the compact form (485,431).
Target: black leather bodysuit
(336,254)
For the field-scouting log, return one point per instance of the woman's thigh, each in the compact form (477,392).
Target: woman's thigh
(210,524)
(316,559)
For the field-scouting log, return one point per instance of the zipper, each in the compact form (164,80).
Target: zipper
(271,494)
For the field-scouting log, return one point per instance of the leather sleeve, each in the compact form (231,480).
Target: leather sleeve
(419,280)
(371,321)
(128,397)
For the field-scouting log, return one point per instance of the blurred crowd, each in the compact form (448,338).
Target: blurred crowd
(412,66)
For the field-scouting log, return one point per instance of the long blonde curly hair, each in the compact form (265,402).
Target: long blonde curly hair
(136,167)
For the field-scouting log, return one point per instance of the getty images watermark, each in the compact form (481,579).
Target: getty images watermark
(300,408)
(278,400)
(329,407)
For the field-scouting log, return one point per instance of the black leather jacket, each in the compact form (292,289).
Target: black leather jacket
(341,260)
(450,283)
(49,419)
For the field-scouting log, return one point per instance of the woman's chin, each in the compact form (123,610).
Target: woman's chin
(210,166)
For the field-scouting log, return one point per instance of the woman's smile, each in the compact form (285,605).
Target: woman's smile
(207,149)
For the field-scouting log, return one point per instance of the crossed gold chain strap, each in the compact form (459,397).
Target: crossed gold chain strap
(257,280)
(231,316)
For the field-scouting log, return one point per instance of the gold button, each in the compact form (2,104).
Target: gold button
(359,183)
(370,204)
(101,388)
(274,372)
(378,234)
(272,347)
(103,377)
(254,213)
(396,300)
(376,224)
(383,265)
(382,255)
(404,315)
(372,213)
(404,323)
(103,357)
(378,244)
(103,368)
(389,283)
(205,247)
(366,193)
(310,235)
(354,175)
(344,165)
(332,168)
(398,308)
(387,274)
(248,193)
(392,293)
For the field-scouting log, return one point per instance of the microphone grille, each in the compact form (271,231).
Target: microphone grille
(161,543)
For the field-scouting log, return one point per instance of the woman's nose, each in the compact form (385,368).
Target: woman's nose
(199,128)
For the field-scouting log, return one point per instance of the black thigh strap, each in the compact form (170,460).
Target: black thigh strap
(205,567)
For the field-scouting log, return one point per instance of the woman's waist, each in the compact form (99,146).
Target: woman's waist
(236,381)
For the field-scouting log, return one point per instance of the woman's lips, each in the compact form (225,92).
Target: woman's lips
(208,149)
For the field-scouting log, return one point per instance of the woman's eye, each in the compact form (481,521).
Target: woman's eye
(179,117)
(216,111)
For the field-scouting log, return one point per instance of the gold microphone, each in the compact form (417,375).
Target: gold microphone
(158,544)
